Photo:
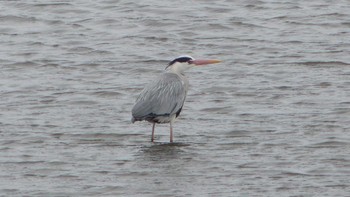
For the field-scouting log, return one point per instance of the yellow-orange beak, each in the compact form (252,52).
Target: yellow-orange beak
(204,62)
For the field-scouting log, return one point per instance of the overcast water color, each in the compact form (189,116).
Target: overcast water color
(272,119)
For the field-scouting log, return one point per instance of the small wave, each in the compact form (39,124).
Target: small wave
(324,63)
(104,93)
(16,19)
(329,144)
(291,173)
(24,64)
(220,110)
(52,4)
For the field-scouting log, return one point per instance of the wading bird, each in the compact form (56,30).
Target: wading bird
(161,101)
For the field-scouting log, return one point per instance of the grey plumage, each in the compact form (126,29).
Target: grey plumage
(160,100)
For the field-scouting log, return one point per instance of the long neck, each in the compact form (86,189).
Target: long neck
(181,75)
(176,70)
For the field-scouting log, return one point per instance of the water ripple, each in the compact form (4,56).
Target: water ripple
(272,118)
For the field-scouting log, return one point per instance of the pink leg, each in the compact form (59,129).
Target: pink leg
(154,124)
(171,132)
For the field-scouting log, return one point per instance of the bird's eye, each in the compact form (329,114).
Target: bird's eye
(190,62)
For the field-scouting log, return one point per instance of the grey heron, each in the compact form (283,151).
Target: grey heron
(161,101)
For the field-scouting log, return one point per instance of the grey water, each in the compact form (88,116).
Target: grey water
(272,119)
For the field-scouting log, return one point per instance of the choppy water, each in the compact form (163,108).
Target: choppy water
(272,120)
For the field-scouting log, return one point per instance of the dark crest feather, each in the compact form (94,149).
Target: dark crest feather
(179,59)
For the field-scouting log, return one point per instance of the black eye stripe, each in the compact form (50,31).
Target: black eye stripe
(180,59)
(183,59)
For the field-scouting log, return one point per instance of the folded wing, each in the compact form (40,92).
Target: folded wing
(163,97)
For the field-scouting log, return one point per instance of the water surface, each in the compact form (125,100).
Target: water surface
(271,120)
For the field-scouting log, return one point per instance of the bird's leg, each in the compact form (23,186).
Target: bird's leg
(171,132)
(154,124)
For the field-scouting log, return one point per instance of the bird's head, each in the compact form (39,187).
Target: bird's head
(182,63)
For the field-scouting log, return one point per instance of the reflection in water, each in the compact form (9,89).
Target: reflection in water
(163,151)
(163,167)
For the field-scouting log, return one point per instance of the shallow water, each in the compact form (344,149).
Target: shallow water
(271,120)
